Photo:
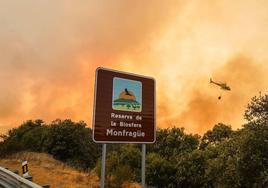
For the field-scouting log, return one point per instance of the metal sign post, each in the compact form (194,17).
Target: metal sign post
(124,112)
(143,165)
(103,159)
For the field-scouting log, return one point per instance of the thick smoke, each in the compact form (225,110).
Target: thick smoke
(246,79)
(49,53)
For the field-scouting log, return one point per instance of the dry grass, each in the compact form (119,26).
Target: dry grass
(46,170)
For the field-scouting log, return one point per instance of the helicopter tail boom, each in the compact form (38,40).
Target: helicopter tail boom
(212,82)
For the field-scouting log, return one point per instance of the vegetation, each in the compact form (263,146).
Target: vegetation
(67,141)
(221,158)
(46,170)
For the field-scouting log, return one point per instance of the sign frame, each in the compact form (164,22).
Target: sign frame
(94,107)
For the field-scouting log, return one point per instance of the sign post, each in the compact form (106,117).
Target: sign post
(103,159)
(143,165)
(124,111)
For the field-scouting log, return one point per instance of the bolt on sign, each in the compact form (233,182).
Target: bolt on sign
(124,108)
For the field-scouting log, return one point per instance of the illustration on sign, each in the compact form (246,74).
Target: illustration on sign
(127,95)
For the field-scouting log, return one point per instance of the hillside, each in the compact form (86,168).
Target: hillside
(46,170)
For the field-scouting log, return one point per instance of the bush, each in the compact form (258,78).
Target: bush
(66,140)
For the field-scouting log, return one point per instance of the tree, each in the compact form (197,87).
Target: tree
(242,159)
(223,161)
(254,143)
(72,143)
(172,142)
(31,135)
(190,170)
(122,164)
(257,109)
(159,171)
(253,162)
(218,134)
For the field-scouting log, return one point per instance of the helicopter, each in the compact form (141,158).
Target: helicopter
(223,86)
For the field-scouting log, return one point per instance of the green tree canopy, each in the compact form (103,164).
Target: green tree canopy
(218,134)
(173,141)
(257,109)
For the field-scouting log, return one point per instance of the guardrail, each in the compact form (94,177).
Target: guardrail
(9,179)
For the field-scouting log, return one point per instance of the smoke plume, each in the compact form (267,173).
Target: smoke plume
(49,52)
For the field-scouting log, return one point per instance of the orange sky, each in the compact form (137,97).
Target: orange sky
(49,51)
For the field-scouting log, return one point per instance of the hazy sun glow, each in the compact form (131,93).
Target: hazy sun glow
(49,53)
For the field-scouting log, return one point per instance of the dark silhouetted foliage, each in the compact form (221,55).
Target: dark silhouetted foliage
(218,134)
(66,140)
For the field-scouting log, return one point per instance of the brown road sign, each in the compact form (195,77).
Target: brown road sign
(124,108)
